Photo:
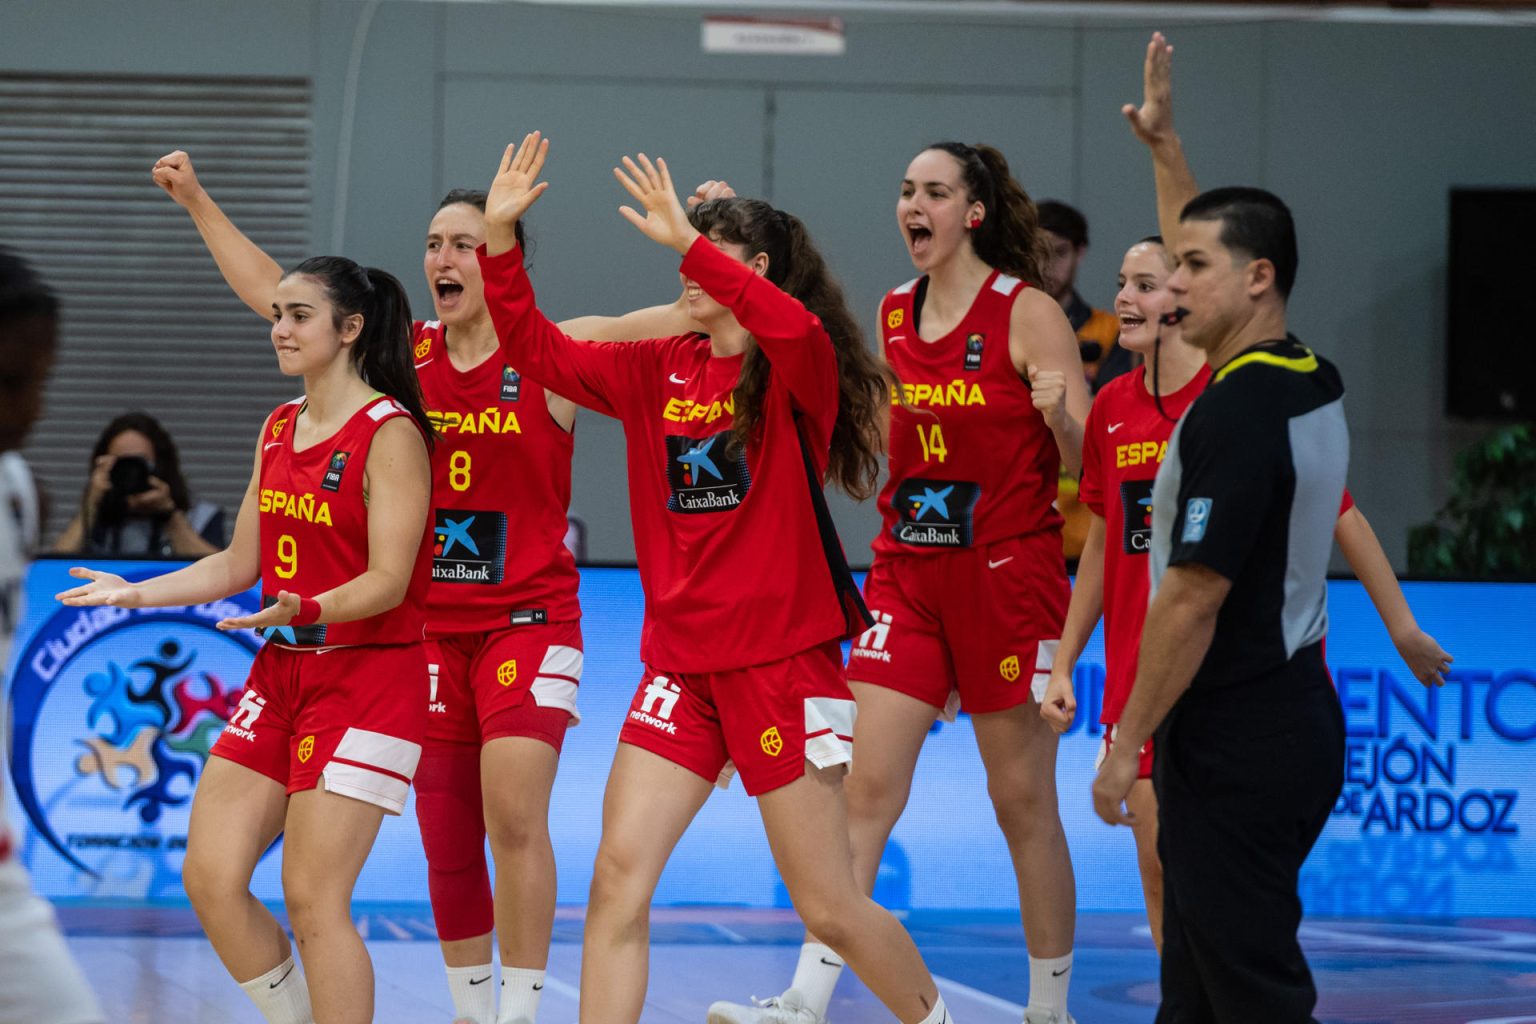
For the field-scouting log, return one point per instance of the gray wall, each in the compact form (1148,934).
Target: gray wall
(1362,127)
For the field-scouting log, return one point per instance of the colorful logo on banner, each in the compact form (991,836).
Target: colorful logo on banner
(140,696)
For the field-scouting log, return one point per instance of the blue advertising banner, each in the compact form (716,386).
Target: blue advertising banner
(113,713)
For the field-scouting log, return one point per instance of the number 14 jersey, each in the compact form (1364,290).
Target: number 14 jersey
(971,460)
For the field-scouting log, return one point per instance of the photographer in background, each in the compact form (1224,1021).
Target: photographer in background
(136,503)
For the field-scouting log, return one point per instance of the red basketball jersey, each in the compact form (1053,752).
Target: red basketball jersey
(314,527)
(501,483)
(971,460)
(1124,441)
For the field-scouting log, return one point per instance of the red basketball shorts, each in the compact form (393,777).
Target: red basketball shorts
(974,629)
(515,681)
(762,722)
(353,718)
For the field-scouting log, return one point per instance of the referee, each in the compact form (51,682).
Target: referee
(1249,746)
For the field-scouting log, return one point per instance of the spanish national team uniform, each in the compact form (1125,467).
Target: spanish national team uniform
(968,587)
(1124,442)
(503,620)
(342,702)
(746,591)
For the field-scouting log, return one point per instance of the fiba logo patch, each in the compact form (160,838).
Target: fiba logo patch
(1197,514)
(511,384)
(142,696)
(506,672)
(1009,668)
(973,346)
(772,743)
(895,318)
(703,477)
(334,469)
(306,749)
(469,546)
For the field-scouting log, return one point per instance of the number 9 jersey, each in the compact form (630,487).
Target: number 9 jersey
(314,527)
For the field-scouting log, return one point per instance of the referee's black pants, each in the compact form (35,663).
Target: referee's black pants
(1245,779)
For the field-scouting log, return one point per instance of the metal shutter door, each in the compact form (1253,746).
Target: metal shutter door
(148,322)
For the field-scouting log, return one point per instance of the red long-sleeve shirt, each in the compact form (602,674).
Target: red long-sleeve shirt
(737,566)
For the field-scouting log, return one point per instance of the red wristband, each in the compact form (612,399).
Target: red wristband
(308,613)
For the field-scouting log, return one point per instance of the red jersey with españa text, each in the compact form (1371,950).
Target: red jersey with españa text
(501,484)
(1124,442)
(971,460)
(738,560)
(314,527)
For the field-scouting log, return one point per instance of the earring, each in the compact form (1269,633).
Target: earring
(974,223)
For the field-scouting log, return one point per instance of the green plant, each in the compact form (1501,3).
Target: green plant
(1488,527)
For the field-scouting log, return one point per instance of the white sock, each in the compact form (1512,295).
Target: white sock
(520,991)
(281,995)
(474,993)
(816,976)
(1048,981)
(940,1014)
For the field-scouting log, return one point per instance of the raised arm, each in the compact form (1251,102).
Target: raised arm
(247,269)
(1152,123)
(218,575)
(1424,656)
(790,335)
(586,372)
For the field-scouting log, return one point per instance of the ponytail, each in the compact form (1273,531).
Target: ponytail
(1009,237)
(382,351)
(796,266)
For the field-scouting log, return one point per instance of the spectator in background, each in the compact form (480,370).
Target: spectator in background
(1066,232)
(39,983)
(136,502)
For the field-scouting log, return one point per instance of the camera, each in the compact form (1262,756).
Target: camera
(130,475)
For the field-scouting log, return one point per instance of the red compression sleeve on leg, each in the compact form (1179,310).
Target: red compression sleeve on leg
(448,809)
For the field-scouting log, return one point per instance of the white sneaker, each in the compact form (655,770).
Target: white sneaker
(788,1008)
(1047,1017)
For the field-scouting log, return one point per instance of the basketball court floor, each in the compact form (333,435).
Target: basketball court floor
(153,965)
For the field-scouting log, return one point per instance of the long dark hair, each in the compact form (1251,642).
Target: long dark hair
(167,467)
(382,351)
(864,386)
(1008,237)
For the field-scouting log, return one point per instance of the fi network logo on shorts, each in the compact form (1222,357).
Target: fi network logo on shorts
(656,703)
(469,547)
(115,711)
(703,476)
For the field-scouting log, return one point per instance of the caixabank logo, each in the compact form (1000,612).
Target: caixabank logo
(934,513)
(114,713)
(469,546)
(704,475)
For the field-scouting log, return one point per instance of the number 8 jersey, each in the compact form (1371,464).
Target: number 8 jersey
(314,527)
(971,460)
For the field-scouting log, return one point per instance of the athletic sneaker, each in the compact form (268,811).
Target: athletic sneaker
(1047,1017)
(788,1008)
